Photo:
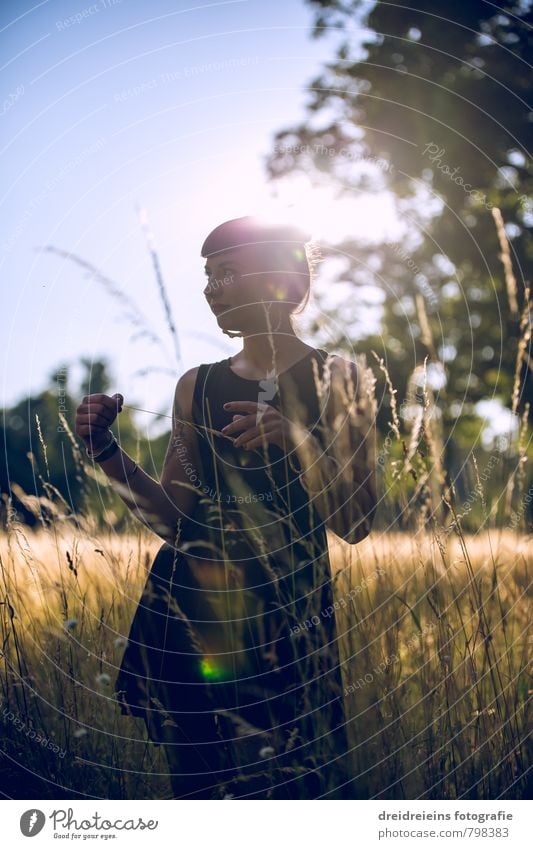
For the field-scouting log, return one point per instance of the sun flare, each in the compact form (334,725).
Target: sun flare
(368,216)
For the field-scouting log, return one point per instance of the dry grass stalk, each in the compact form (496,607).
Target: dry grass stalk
(505,257)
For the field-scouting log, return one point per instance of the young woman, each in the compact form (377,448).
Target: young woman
(232,658)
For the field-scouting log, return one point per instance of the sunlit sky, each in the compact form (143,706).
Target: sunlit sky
(109,107)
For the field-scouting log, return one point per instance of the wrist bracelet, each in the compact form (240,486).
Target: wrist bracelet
(93,454)
(105,455)
(105,452)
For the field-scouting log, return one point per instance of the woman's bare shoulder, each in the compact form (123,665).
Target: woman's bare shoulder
(183,396)
(184,393)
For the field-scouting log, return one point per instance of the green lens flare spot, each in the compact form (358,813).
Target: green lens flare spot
(210,671)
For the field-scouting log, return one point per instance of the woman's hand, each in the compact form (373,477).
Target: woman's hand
(94,417)
(262,423)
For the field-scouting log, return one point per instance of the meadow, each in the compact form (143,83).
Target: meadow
(434,641)
(433,611)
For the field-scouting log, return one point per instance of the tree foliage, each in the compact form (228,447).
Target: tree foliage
(45,475)
(435,98)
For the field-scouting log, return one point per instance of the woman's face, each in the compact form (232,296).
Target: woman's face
(242,288)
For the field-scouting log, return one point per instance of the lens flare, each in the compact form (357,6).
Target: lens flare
(210,670)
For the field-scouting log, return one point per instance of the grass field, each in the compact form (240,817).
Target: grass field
(434,637)
(434,628)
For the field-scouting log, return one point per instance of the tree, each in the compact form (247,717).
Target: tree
(435,97)
(96,378)
(44,470)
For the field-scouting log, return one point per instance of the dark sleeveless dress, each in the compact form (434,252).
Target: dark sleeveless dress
(234,641)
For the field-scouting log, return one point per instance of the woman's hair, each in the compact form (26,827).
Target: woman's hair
(284,249)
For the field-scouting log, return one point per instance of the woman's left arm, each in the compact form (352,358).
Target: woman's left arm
(339,471)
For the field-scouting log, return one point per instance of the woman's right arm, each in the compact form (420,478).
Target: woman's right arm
(157,504)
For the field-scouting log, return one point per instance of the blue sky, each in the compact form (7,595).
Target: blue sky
(170,106)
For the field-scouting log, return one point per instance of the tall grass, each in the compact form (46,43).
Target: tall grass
(434,638)
(67,603)
(436,666)
(434,628)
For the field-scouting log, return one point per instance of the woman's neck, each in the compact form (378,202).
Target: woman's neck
(266,351)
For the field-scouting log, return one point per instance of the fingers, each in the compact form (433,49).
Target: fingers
(97,419)
(266,438)
(245,437)
(254,436)
(120,400)
(259,412)
(90,430)
(96,413)
(247,406)
(239,424)
(110,404)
